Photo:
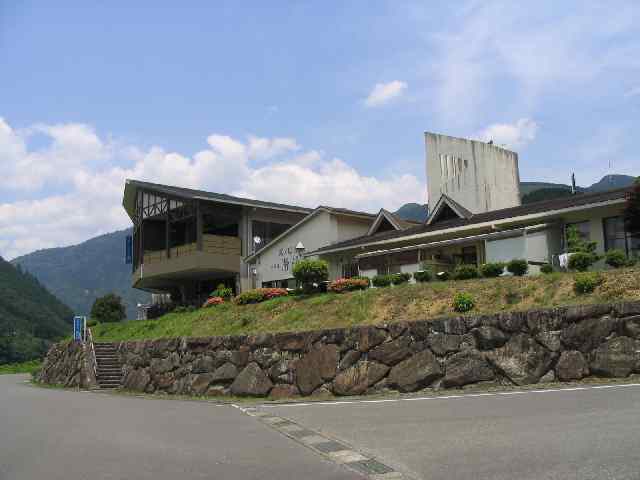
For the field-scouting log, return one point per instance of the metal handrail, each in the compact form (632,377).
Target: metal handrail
(93,353)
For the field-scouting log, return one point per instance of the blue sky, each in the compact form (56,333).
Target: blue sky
(305,102)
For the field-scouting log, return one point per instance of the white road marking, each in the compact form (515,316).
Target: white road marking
(450,397)
(347,456)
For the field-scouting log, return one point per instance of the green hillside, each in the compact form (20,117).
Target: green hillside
(30,316)
(81,273)
(376,306)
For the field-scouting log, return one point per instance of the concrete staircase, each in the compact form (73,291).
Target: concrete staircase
(108,366)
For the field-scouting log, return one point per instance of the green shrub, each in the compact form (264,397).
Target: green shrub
(108,309)
(616,258)
(258,295)
(423,276)
(463,302)
(492,269)
(310,273)
(465,272)
(348,285)
(518,267)
(381,280)
(400,278)
(546,268)
(581,261)
(586,282)
(222,292)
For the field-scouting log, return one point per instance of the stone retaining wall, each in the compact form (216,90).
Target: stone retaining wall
(68,364)
(510,348)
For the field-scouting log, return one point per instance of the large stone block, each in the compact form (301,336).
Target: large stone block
(203,364)
(614,358)
(199,383)
(369,337)
(252,381)
(315,367)
(444,343)
(521,359)
(450,325)
(419,371)
(225,373)
(137,380)
(625,309)
(588,334)
(391,352)
(632,326)
(356,379)
(283,391)
(571,366)
(488,338)
(467,367)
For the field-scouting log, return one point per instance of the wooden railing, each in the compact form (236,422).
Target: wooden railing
(215,244)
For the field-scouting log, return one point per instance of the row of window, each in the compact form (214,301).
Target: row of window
(615,235)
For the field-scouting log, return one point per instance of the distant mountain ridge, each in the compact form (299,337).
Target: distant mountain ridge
(81,273)
(30,316)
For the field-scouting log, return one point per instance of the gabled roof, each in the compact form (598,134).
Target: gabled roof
(523,212)
(396,222)
(314,213)
(131,186)
(446,202)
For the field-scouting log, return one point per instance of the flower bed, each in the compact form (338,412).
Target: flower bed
(348,284)
(258,295)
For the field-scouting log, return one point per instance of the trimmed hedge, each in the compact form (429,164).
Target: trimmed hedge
(400,278)
(616,258)
(518,267)
(423,276)
(586,282)
(492,269)
(213,301)
(258,295)
(348,284)
(546,268)
(381,280)
(465,272)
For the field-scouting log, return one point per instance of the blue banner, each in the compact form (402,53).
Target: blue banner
(128,258)
(78,328)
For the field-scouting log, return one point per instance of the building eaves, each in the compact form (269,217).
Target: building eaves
(495,215)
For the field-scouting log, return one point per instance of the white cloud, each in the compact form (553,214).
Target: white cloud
(633,92)
(87,174)
(514,136)
(383,93)
(499,51)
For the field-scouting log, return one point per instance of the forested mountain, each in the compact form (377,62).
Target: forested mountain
(30,316)
(538,191)
(413,211)
(80,273)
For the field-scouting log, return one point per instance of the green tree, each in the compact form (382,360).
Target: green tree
(108,309)
(632,211)
(310,272)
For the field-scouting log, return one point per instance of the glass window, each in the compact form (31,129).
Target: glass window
(614,234)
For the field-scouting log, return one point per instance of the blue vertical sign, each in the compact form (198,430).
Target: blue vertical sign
(128,257)
(78,328)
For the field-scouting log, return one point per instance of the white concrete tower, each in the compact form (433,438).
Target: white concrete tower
(478,175)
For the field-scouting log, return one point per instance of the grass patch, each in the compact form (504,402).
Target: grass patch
(376,306)
(24,367)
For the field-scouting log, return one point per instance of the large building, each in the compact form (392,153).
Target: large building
(186,242)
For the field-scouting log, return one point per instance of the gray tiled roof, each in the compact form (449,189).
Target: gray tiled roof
(495,215)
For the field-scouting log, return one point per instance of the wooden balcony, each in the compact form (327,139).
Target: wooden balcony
(219,255)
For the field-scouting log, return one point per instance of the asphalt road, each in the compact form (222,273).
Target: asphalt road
(584,434)
(56,434)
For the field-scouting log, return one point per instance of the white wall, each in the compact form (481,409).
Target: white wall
(479,176)
(275,261)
